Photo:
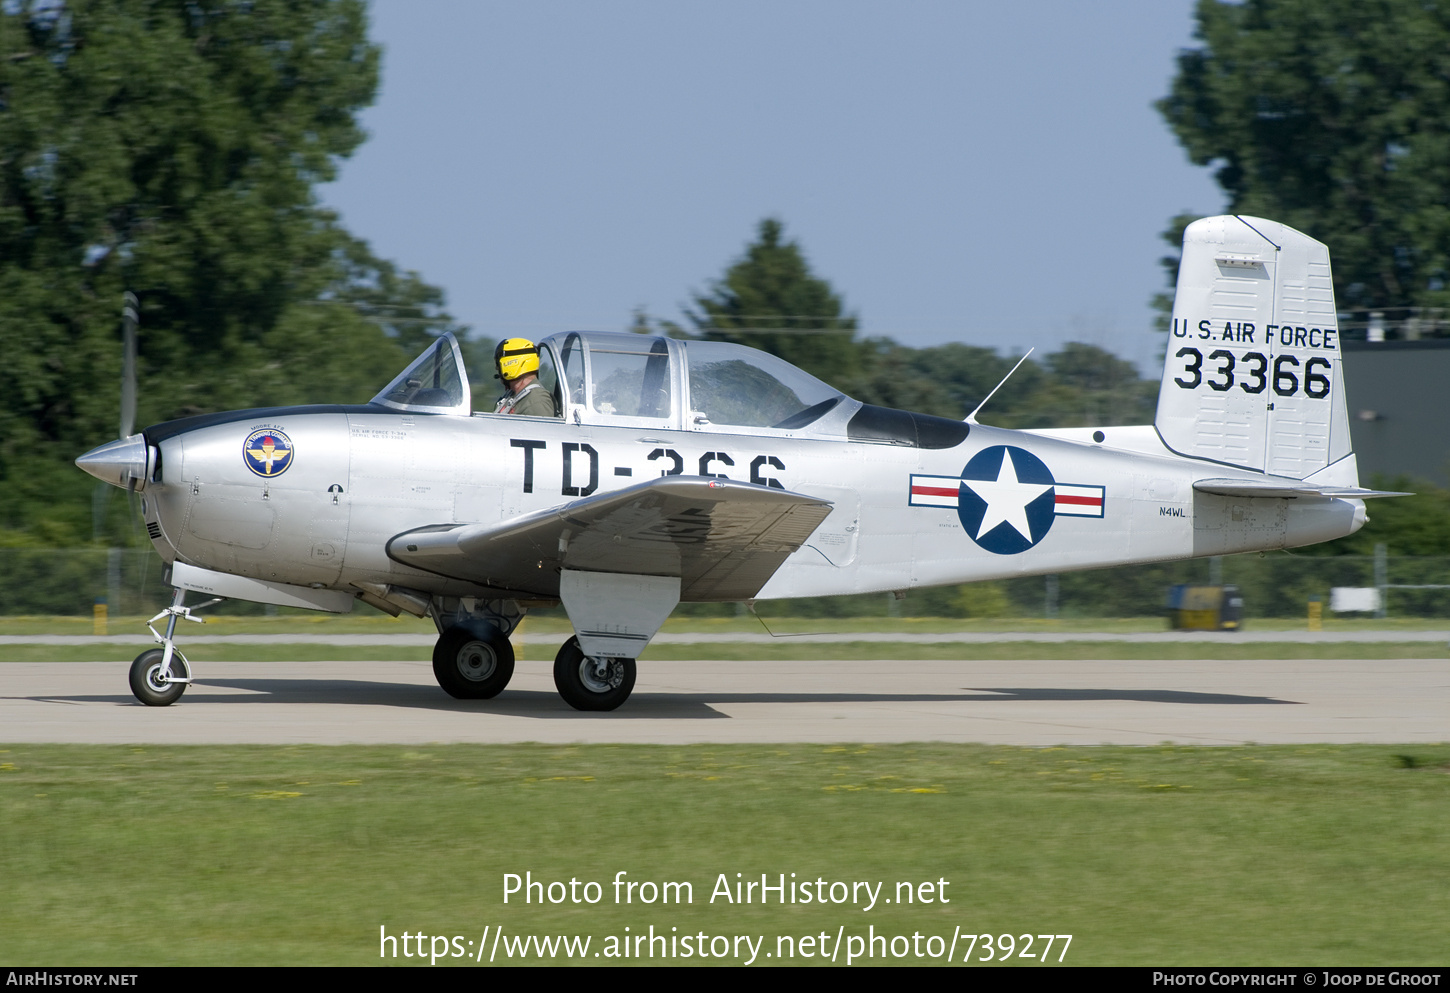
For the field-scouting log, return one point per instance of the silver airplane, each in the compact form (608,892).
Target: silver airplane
(688,471)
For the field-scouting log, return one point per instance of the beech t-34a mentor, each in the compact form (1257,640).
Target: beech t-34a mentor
(681,470)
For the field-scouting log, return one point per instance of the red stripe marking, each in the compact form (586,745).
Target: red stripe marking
(1086,501)
(939,491)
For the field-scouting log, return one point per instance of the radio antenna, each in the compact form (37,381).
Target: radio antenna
(972,417)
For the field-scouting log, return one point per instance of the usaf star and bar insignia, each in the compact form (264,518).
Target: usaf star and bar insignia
(1006,498)
(267,452)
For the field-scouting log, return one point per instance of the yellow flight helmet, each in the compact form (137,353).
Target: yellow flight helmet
(516,357)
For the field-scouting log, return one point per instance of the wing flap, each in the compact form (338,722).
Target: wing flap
(723,539)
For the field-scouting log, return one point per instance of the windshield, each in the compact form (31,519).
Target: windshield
(434,383)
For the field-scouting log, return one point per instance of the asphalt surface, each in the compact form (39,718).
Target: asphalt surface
(1208,702)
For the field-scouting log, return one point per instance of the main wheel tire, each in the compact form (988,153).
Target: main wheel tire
(470,666)
(589,683)
(145,678)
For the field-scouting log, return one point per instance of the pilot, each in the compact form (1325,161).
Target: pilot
(517,360)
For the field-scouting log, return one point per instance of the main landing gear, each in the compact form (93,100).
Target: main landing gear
(473,664)
(612,613)
(477,662)
(592,682)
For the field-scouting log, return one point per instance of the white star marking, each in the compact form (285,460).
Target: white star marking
(1007,499)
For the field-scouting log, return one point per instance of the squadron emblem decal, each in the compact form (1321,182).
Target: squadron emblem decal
(1006,498)
(267,452)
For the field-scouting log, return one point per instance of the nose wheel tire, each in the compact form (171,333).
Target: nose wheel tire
(147,683)
(472,666)
(589,682)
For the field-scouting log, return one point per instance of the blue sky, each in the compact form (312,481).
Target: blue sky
(993,174)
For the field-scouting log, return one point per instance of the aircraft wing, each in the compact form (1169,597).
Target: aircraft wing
(723,539)
(1272,487)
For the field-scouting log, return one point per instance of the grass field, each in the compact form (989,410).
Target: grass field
(1333,855)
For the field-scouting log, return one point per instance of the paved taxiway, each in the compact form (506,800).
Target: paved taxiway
(1009,702)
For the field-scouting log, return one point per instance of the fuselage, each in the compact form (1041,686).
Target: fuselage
(903,516)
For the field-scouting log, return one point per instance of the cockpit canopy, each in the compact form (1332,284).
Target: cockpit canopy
(647,381)
(616,378)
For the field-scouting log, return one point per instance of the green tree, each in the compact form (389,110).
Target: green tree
(1332,116)
(770,300)
(1079,386)
(171,148)
(946,380)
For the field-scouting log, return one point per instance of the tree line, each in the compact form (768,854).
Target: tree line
(173,150)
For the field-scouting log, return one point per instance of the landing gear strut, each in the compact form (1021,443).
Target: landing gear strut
(588,682)
(160,675)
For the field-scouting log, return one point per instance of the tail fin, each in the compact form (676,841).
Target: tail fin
(1253,376)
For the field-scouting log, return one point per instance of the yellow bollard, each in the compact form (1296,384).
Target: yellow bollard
(98,619)
(1316,612)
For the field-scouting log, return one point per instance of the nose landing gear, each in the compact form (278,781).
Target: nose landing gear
(160,675)
(155,679)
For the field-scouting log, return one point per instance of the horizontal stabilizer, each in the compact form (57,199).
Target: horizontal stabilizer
(1272,487)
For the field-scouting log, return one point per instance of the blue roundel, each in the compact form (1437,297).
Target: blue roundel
(1007,502)
(267,452)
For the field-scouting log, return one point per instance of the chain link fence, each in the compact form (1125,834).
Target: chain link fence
(71,581)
